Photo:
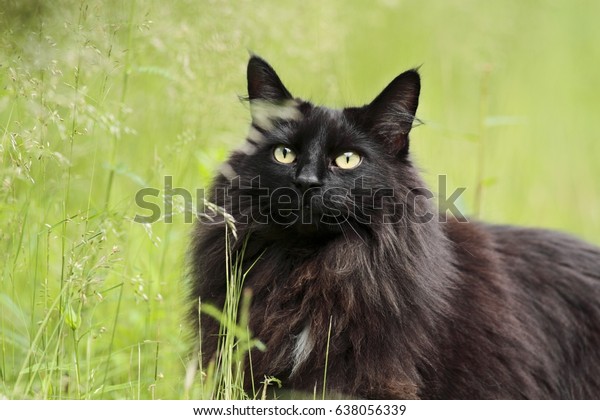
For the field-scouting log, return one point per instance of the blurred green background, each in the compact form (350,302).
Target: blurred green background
(101,98)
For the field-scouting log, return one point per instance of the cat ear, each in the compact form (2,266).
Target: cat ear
(269,99)
(391,114)
(263,82)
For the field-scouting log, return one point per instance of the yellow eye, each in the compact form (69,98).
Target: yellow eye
(348,160)
(284,154)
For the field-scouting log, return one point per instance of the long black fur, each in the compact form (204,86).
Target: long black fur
(418,308)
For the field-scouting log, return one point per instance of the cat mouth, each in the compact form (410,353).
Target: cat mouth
(311,222)
(306,216)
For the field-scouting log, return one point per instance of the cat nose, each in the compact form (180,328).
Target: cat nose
(305,181)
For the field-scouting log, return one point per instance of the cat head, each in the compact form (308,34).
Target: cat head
(315,169)
(387,119)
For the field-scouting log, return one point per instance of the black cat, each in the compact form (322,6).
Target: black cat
(352,263)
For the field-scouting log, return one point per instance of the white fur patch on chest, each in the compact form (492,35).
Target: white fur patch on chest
(302,347)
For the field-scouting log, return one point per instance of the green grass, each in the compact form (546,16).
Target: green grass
(99,99)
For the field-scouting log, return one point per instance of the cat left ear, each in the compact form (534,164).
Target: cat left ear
(264,83)
(269,99)
(391,114)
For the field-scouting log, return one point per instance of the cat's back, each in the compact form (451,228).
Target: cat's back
(555,279)
(540,290)
(532,258)
(546,258)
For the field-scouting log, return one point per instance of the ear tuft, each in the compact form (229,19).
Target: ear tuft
(263,82)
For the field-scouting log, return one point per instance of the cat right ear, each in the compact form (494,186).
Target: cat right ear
(391,114)
(263,82)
